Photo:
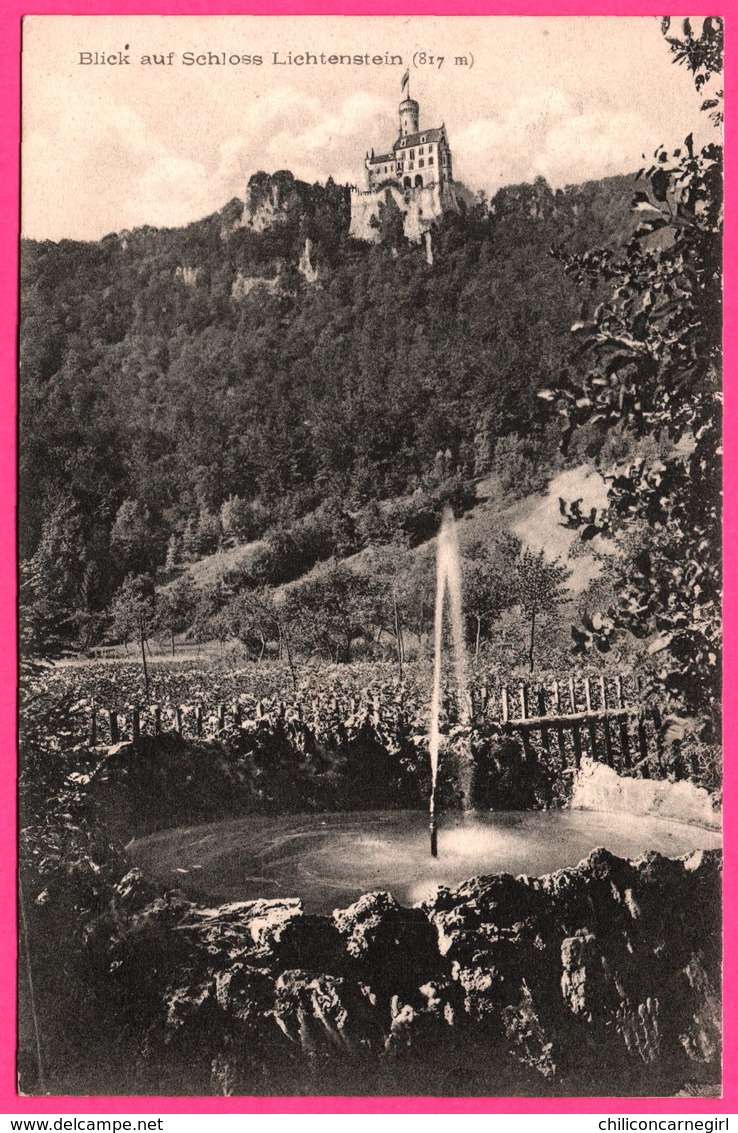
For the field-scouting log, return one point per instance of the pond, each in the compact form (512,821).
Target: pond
(330,859)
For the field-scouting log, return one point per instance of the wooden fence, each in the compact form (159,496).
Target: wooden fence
(595,720)
(601,717)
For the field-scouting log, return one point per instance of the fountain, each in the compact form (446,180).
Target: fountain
(331,858)
(448,581)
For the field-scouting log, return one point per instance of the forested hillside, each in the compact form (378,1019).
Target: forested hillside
(166,373)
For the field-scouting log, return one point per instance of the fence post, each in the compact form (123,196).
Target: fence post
(523,702)
(656,717)
(608,741)
(221,717)
(198,720)
(643,744)
(542,712)
(505,704)
(157,719)
(622,722)
(237,715)
(114,733)
(178,719)
(624,741)
(93,725)
(135,723)
(591,724)
(577,741)
(559,726)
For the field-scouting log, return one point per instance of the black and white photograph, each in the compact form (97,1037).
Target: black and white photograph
(370,557)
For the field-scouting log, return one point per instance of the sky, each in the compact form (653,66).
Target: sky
(108,147)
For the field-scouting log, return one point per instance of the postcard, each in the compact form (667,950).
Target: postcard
(370,557)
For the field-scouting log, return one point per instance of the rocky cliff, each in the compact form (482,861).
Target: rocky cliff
(420,208)
(280,198)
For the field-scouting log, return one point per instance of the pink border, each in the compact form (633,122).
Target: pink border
(10,17)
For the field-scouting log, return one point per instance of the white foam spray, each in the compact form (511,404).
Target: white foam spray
(448,581)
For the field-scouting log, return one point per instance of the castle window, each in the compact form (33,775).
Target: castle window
(410,165)
(407,183)
(418,181)
(412,154)
(430,160)
(423,138)
(421,163)
(421,150)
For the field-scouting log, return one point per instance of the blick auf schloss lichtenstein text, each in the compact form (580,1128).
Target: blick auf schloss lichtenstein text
(126,58)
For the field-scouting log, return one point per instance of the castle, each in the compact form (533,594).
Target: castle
(417,173)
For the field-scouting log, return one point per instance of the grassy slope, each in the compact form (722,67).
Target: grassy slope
(534,519)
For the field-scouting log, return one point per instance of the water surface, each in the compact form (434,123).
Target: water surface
(331,859)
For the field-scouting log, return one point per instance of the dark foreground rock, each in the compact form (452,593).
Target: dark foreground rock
(601,979)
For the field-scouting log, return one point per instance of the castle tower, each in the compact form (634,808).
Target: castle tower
(416,172)
(409,117)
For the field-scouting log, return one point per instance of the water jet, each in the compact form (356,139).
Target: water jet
(448,581)
(433,832)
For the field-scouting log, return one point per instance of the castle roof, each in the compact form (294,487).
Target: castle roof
(373,160)
(433,135)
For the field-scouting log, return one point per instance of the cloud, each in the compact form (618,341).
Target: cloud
(591,145)
(332,140)
(551,135)
(172,191)
(125,163)
(106,148)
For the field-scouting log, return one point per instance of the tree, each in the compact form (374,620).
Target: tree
(243,520)
(539,588)
(176,607)
(489,579)
(201,535)
(651,360)
(328,611)
(254,619)
(55,586)
(132,609)
(208,618)
(131,537)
